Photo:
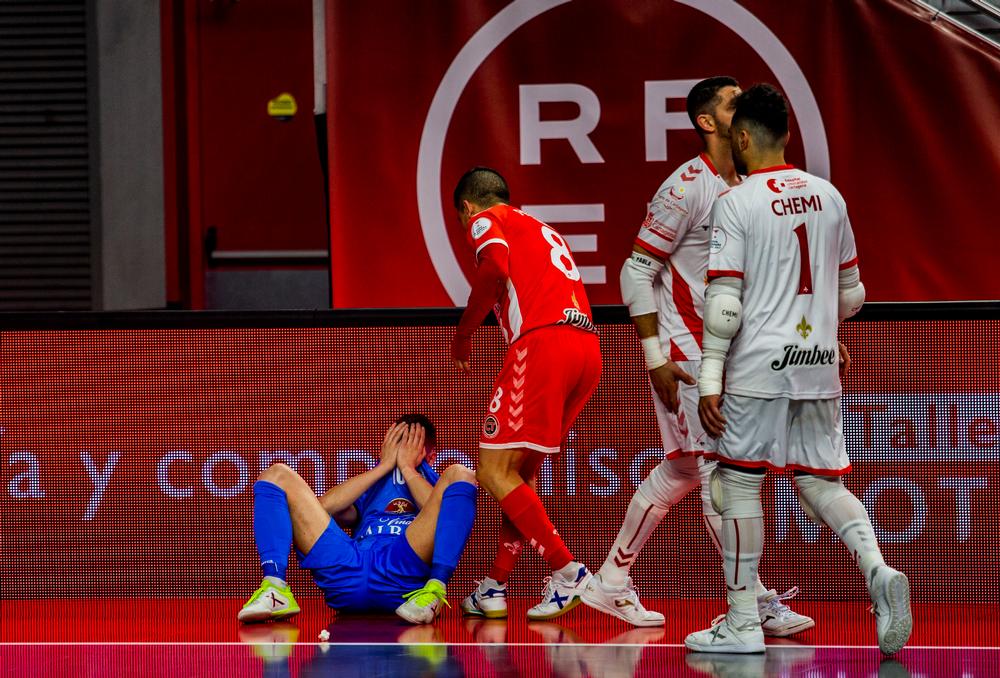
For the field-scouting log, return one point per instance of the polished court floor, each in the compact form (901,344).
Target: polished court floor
(198,637)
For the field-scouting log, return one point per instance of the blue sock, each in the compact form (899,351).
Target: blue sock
(272,528)
(458,512)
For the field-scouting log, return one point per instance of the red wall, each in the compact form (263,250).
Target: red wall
(231,166)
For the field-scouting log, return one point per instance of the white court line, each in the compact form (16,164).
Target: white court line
(389,644)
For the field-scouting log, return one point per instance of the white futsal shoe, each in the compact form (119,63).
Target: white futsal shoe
(272,601)
(728,637)
(425,604)
(620,601)
(890,593)
(561,594)
(489,599)
(779,620)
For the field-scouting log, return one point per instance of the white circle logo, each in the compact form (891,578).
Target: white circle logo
(718,241)
(495,31)
(479,227)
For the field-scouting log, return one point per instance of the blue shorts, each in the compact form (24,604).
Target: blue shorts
(369,575)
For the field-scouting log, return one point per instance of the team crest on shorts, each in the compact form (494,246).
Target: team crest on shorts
(491,427)
(400,505)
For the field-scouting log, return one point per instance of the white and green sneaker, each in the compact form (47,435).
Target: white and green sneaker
(890,592)
(424,605)
(729,637)
(273,600)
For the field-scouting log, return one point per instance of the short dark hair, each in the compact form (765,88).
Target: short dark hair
(422,420)
(482,186)
(763,111)
(704,97)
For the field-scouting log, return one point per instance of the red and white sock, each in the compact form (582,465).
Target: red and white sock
(527,513)
(641,519)
(713,522)
(508,551)
(668,483)
(742,539)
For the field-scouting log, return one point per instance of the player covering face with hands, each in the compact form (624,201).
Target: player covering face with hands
(783,272)
(526,273)
(409,528)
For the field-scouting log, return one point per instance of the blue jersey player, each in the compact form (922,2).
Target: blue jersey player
(409,525)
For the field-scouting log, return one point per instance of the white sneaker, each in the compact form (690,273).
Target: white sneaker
(890,593)
(727,637)
(620,601)
(560,595)
(779,620)
(489,599)
(272,601)
(425,604)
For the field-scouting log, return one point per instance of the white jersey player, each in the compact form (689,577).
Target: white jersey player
(666,301)
(783,273)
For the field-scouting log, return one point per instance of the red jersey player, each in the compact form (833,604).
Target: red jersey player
(526,273)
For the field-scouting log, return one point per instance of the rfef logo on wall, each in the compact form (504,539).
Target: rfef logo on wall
(553,107)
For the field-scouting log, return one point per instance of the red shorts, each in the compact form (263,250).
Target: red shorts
(547,377)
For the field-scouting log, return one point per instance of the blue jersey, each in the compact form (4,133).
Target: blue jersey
(387,508)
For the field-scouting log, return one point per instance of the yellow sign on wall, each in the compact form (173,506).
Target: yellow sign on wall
(282,107)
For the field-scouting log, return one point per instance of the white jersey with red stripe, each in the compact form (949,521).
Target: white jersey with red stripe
(676,228)
(544,285)
(787,234)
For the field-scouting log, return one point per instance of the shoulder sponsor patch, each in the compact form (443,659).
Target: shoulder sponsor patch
(480,226)
(718,241)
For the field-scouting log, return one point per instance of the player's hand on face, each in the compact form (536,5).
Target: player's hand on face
(710,413)
(390,445)
(462,366)
(411,451)
(664,379)
(845,358)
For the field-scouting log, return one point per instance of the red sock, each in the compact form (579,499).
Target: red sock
(525,510)
(508,551)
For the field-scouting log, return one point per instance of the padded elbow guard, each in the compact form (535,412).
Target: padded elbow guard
(723,314)
(636,279)
(852,292)
(851,300)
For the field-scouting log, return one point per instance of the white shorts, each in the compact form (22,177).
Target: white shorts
(682,433)
(803,435)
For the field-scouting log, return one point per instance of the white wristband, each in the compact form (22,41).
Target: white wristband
(710,376)
(654,354)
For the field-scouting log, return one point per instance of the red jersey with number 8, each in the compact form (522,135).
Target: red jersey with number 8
(544,286)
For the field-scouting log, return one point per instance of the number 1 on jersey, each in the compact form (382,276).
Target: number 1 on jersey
(805,272)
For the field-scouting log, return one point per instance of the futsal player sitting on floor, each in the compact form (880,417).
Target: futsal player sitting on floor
(410,527)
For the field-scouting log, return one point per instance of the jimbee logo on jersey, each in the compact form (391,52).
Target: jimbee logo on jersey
(491,427)
(798,356)
(400,505)
(577,318)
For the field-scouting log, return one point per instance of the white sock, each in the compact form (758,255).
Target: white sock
(713,521)
(641,519)
(490,583)
(668,483)
(569,571)
(280,583)
(836,506)
(742,540)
